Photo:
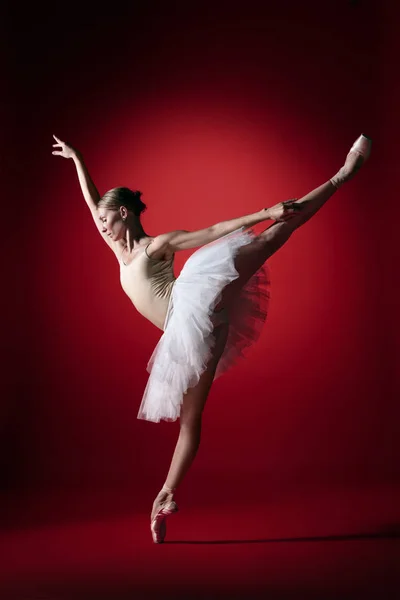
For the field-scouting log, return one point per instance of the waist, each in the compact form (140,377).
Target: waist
(151,306)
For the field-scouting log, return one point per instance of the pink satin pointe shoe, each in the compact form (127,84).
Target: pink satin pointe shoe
(158,526)
(358,154)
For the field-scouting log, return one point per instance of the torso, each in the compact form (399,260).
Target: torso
(148,282)
(129,259)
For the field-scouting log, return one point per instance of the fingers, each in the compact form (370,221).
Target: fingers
(290,203)
(59,144)
(292,207)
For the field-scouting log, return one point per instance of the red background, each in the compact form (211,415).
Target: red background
(212,113)
(211,117)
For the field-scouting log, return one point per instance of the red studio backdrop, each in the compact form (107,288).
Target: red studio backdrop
(212,116)
(211,119)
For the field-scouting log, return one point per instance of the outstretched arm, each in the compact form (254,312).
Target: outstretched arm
(182,240)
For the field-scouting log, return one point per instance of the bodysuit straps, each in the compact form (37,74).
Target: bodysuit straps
(146,251)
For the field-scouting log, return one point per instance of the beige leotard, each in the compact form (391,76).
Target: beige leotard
(148,282)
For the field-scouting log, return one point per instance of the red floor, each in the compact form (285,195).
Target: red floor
(336,543)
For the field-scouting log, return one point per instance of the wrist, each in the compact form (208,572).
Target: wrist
(76,156)
(265,213)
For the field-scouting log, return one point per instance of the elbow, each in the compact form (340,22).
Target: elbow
(215,231)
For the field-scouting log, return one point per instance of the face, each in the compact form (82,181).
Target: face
(112,224)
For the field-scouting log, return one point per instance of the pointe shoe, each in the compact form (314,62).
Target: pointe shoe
(358,154)
(158,524)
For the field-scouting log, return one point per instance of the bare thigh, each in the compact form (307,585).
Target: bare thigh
(251,257)
(195,398)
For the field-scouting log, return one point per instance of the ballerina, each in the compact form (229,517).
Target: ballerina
(211,313)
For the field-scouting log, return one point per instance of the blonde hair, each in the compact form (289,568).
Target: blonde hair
(122,196)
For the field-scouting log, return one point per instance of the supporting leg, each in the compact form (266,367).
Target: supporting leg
(190,423)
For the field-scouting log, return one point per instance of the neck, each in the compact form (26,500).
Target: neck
(135,235)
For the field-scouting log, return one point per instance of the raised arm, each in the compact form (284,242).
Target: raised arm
(88,188)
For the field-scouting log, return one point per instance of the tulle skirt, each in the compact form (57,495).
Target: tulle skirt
(185,347)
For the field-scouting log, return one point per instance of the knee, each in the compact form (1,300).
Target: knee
(191,424)
(190,435)
(277,234)
(280,229)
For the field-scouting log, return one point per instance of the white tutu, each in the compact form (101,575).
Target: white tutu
(184,349)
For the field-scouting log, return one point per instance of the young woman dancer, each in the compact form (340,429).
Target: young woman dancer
(212,313)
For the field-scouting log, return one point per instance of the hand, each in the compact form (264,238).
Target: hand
(67,151)
(284,210)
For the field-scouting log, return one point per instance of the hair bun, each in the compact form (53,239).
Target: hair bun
(123,196)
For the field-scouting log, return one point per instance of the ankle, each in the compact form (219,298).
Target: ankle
(167,489)
(339,179)
(166,494)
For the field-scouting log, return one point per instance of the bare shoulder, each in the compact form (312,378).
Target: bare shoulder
(181,239)
(159,248)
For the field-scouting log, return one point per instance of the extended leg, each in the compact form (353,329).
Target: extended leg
(252,256)
(278,233)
